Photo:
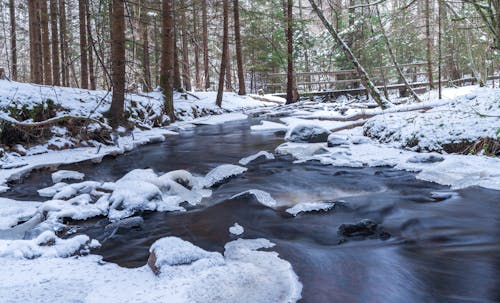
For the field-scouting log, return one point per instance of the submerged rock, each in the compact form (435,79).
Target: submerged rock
(307,134)
(426,158)
(365,228)
(335,140)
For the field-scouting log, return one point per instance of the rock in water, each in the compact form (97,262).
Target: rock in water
(307,134)
(426,158)
(363,229)
(335,140)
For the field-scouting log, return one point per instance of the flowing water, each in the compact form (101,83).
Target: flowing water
(439,251)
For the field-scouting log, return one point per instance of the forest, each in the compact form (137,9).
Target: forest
(249,150)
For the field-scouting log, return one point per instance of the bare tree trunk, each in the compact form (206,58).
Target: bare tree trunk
(90,42)
(365,79)
(428,43)
(223,61)
(393,57)
(205,43)
(239,53)
(35,42)
(13,39)
(288,7)
(55,43)
(117,62)
(228,81)
(177,73)
(63,42)
(147,86)
(84,74)
(167,57)
(186,79)
(47,70)
(196,41)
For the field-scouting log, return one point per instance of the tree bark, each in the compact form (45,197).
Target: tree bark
(47,70)
(147,86)
(63,43)
(177,72)
(186,79)
(393,57)
(239,52)
(428,43)
(90,43)
(288,7)
(117,62)
(35,42)
(205,44)
(167,57)
(84,74)
(365,79)
(223,61)
(13,39)
(196,42)
(56,78)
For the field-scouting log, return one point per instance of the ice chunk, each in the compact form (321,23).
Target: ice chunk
(262,197)
(236,229)
(61,175)
(221,174)
(265,154)
(52,190)
(310,206)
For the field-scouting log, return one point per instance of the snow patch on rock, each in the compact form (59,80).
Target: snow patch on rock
(265,154)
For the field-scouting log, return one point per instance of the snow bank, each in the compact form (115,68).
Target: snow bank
(265,154)
(61,175)
(269,126)
(242,274)
(219,119)
(262,197)
(13,212)
(310,206)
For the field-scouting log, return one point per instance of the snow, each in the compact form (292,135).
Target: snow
(61,175)
(46,245)
(12,212)
(265,154)
(221,173)
(242,274)
(269,126)
(262,197)
(236,229)
(219,119)
(307,133)
(310,206)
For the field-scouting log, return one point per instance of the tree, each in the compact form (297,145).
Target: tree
(167,57)
(13,39)
(44,19)
(84,74)
(117,61)
(90,43)
(186,79)
(63,43)
(56,79)
(36,66)
(365,79)
(146,71)
(225,48)
(428,43)
(239,52)
(205,44)
(288,11)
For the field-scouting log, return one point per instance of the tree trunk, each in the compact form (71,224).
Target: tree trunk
(225,47)
(63,42)
(167,57)
(239,53)
(393,57)
(47,70)
(205,43)
(177,73)
(13,39)
(365,79)
(56,78)
(90,42)
(428,43)
(146,72)
(35,42)
(84,74)
(288,7)
(186,79)
(196,42)
(117,62)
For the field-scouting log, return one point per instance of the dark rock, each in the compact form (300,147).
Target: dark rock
(426,158)
(365,228)
(335,140)
(308,134)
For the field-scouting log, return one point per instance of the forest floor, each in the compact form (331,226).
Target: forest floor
(348,132)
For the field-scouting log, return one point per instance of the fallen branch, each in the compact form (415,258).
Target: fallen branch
(51,121)
(349,125)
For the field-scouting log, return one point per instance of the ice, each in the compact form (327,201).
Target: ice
(222,173)
(219,119)
(262,197)
(269,126)
(61,175)
(132,196)
(77,208)
(236,229)
(13,212)
(265,154)
(45,245)
(310,206)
